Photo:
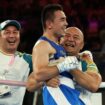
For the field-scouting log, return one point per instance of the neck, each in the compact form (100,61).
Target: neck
(7,53)
(71,54)
(51,37)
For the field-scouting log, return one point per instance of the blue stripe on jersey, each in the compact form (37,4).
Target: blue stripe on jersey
(47,98)
(60,51)
(71,95)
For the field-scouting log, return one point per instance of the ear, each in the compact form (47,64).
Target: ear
(49,24)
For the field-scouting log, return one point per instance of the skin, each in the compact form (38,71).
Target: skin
(42,72)
(32,84)
(9,39)
(73,42)
(40,63)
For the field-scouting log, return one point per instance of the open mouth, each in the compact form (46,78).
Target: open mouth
(11,42)
(70,44)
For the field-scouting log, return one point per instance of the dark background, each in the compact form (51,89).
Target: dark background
(88,15)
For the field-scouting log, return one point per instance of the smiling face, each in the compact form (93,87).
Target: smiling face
(59,24)
(73,41)
(9,39)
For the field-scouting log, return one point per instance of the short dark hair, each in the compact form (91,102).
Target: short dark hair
(48,13)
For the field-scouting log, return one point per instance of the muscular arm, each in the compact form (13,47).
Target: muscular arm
(89,80)
(40,57)
(32,84)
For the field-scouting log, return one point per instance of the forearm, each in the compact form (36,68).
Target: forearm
(32,84)
(45,73)
(88,80)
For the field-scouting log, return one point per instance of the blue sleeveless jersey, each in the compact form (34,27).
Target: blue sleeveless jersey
(65,94)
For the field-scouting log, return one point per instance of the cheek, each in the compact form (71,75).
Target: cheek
(3,41)
(18,37)
(18,41)
(79,45)
(68,49)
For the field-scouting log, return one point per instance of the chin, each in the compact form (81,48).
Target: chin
(69,49)
(13,49)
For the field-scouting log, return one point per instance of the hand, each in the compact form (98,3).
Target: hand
(69,63)
(54,82)
(32,84)
(86,56)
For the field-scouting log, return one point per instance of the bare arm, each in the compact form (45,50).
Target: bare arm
(32,84)
(40,57)
(90,79)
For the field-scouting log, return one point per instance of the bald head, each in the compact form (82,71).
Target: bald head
(75,30)
(73,41)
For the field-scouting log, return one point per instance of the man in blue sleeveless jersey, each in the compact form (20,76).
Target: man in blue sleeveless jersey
(46,51)
(14,66)
(87,79)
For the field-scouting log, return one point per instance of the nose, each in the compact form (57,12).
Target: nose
(70,38)
(11,34)
(66,23)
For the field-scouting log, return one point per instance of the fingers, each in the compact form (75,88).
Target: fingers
(54,82)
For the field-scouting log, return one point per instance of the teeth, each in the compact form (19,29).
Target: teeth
(11,41)
(70,45)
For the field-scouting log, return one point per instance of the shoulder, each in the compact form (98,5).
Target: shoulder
(42,43)
(44,46)
(27,57)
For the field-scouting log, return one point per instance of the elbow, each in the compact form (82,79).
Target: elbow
(38,77)
(29,87)
(30,84)
(94,88)
(33,85)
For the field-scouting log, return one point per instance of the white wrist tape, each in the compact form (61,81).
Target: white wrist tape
(69,63)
